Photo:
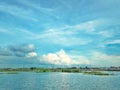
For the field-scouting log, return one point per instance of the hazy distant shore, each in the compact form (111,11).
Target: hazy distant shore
(86,70)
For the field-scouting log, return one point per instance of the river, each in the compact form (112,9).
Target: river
(58,81)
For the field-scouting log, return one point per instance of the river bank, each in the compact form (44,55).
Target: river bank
(67,70)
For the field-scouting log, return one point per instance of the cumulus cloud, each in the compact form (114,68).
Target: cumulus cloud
(62,58)
(57,58)
(22,48)
(25,50)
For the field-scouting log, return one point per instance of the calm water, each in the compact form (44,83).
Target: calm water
(58,81)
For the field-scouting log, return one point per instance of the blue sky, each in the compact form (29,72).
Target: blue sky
(60,32)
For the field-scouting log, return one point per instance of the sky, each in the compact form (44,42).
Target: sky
(59,32)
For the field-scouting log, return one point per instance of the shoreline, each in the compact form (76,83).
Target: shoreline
(67,70)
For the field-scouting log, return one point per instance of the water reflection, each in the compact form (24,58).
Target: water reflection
(58,81)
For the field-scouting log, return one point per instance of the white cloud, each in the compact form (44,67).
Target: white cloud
(106,34)
(81,59)
(96,58)
(31,54)
(102,59)
(63,58)
(24,31)
(114,42)
(36,6)
(18,11)
(31,46)
(5,31)
(57,36)
(67,35)
(62,37)
(57,58)
(45,10)
(89,26)
(104,44)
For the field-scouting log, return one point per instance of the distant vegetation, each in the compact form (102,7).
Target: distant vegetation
(97,73)
(89,71)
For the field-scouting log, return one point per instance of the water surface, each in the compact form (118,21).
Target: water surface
(58,81)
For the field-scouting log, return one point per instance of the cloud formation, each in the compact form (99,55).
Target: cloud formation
(25,50)
(18,11)
(5,52)
(76,25)
(62,58)
(102,59)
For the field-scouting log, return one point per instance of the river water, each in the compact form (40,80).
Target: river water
(58,81)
